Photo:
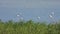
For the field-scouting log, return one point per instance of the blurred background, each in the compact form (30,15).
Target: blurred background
(29,9)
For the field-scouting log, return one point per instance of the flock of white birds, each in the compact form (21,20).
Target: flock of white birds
(38,17)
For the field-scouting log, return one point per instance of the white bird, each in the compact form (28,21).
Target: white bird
(50,16)
(18,15)
(38,17)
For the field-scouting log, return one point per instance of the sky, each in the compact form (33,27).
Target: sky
(30,9)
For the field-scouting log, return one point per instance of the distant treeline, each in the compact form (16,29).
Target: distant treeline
(29,27)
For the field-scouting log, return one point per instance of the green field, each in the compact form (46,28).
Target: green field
(29,27)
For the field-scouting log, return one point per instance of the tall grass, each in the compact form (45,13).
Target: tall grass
(28,27)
